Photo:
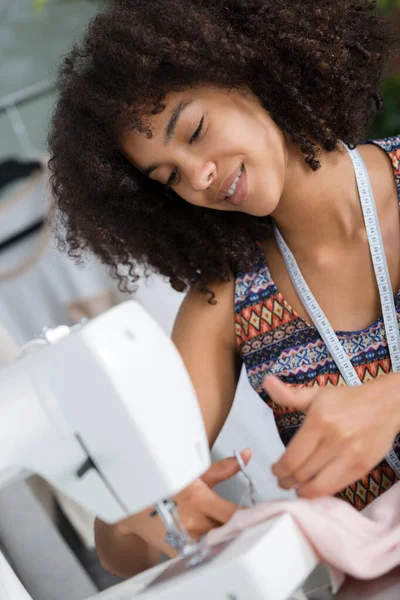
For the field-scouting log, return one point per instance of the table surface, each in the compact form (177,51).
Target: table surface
(383,588)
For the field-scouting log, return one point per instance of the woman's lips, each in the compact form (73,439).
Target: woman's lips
(241,190)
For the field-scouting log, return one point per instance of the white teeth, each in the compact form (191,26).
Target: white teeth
(232,189)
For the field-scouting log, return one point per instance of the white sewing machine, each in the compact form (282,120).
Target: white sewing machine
(106,413)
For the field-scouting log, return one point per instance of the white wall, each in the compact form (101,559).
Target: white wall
(31,44)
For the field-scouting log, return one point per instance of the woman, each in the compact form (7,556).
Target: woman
(184,133)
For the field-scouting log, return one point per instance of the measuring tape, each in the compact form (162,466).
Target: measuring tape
(384,285)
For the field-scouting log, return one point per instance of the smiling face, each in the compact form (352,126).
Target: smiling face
(215,148)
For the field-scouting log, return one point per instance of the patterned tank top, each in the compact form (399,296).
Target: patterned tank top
(273,339)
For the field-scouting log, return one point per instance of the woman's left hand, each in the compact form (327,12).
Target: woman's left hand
(346,433)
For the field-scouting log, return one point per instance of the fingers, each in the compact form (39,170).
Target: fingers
(200,526)
(335,476)
(299,451)
(285,395)
(321,457)
(216,508)
(200,508)
(224,469)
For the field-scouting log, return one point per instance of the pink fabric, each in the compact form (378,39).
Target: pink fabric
(362,544)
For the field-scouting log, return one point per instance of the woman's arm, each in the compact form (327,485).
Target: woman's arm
(205,337)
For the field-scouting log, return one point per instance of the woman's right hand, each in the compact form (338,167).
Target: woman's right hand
(200,508)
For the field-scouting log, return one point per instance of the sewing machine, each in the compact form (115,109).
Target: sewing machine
(106,413)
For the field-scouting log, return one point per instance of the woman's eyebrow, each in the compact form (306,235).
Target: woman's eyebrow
(169,131)
(173,122)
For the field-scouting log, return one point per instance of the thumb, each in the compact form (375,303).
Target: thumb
(224,469)
(283,394)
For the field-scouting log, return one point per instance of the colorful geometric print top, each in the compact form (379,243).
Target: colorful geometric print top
(273,339)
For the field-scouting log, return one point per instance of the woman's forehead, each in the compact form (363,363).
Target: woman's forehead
(138,147)
(155,124)
(211,95)
(150,122)
(136,142)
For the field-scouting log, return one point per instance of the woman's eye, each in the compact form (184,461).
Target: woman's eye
(172,177)
(197,132)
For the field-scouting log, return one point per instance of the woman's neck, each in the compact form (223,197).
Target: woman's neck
(319,208)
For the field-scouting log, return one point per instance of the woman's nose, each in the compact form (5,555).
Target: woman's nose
(201,176)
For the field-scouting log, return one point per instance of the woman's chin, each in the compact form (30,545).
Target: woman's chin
(261,211)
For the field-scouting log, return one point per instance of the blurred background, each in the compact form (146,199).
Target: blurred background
(47,539)
(387,123)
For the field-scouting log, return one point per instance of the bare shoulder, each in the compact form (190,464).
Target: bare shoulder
(380,170)
(215,316)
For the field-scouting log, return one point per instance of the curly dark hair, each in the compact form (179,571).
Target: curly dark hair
(315,65)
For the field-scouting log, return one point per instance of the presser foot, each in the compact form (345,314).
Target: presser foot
(177,536)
